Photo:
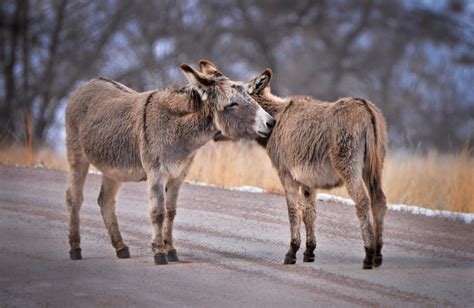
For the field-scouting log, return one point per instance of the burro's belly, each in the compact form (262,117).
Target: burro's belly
(123,174)
(318,175)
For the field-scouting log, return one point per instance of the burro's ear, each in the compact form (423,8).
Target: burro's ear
(260,82)
(208,68)
(195,77)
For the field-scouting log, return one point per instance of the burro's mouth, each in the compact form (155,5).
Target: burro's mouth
(264,134)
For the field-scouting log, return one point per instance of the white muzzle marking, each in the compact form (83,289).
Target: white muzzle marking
(261,119)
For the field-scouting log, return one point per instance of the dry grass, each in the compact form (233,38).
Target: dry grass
(26,156)
(436,181)
(234,164)
(444,182)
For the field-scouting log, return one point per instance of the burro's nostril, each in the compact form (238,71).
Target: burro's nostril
(271,123)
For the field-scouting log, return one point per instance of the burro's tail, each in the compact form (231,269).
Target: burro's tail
(375,150)
(376,147)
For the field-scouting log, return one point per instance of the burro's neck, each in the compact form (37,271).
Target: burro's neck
(273,104)
(198,126)
(176,122)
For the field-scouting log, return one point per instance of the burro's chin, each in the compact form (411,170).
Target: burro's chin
(264,123)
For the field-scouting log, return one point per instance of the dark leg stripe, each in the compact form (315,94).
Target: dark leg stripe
(148,101)
(116,84)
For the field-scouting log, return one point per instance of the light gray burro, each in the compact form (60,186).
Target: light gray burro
(152,136)
(318,144)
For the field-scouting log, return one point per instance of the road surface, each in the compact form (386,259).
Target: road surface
(232,246)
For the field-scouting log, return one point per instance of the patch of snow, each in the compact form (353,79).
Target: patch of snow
(40,165)
(465,217)
(202,184)
(251,189)
(95,172)
(416,210)
(333,198)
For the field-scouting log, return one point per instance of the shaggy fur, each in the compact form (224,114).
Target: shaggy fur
(318,144)
(152,136)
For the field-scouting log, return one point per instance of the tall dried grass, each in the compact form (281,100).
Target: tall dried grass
(27,156)
(234,164)
(432,180)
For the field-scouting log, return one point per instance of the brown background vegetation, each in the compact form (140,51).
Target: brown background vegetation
(414,59)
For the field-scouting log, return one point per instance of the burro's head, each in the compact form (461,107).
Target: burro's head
(235,113)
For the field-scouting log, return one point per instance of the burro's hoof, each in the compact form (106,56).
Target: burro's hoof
(367,264)
(378,261)
(161,259)
(289,259)
(173,256)
(123,253)
(75,254)
(308,257)
(369,258)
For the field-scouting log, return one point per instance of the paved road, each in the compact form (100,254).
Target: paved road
(232,245)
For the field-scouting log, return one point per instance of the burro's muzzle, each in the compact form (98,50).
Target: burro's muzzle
(264,123)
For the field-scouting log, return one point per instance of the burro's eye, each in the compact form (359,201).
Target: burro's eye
(230,106)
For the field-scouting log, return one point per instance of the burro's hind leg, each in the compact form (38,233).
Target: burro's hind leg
(379,206)
(156,200)
(347,158)
(356,190)
(308,200)
(294,214)
(171,196)
(78,166)
(106,201)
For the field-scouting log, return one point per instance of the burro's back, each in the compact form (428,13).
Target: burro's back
(152,136)
(102,124)
(313,137)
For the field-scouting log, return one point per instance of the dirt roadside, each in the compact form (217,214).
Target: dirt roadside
(232,245)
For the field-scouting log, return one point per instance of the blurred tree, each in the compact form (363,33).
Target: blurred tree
(415,61)
(47,47)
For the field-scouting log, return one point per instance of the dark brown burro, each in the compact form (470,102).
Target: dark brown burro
(318,144)
(151,136)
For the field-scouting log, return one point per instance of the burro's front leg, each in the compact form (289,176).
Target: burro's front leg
(308,197)
(156,199)
(295,216)
(171,192)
